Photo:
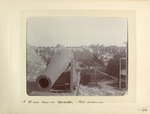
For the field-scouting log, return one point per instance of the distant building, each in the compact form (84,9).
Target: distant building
(106,53)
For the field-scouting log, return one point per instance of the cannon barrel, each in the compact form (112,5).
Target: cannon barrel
(58,64)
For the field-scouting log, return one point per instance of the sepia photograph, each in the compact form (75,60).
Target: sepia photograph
(74,56)
(77,56)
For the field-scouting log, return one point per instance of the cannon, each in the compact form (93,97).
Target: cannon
(57,67)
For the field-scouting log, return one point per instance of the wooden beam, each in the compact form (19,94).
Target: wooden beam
(119,80)
(71,76)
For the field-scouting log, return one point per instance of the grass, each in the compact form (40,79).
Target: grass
(115,85)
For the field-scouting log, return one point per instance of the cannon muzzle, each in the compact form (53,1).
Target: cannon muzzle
(58,64)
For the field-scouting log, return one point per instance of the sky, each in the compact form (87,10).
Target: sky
(76,31)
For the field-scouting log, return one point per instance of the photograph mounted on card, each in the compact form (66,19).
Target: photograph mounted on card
(82,54)
(69,56)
